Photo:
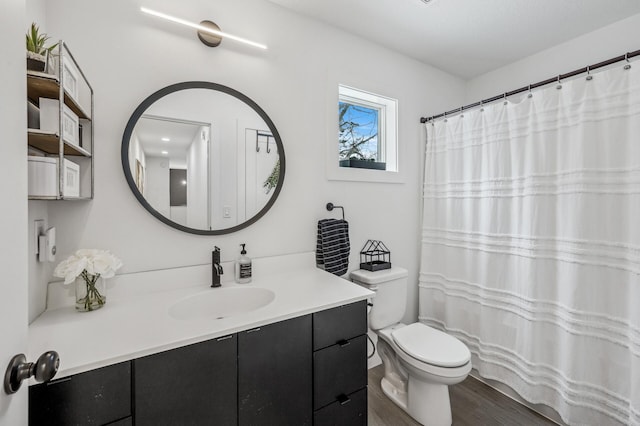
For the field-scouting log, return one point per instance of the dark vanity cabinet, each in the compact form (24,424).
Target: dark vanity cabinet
(302,371)
(97,397)
(340,365)
(188,384)
(275,374)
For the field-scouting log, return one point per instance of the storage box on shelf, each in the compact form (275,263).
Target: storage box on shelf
(43,178)
(60,118)
(50,120)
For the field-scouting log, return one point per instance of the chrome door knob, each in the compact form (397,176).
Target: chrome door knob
(43,370)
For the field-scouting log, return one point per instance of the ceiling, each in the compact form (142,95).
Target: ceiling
(151,131)
(466,38)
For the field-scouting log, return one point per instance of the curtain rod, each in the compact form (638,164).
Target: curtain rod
(620,58)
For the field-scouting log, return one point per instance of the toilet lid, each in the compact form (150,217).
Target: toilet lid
(432,346)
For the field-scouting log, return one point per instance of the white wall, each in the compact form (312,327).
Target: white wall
(178,214)
(197,180)
(13,190)
(39,273)
(129,55)
(156,189)
(36,11)
(597,46)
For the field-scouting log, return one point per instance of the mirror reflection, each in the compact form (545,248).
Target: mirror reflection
(203,160)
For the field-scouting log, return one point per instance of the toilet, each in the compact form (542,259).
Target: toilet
(419,362)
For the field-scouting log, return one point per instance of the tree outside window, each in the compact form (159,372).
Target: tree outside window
(358,136)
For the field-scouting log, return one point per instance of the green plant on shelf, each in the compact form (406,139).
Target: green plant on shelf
(36,41)
(37,51)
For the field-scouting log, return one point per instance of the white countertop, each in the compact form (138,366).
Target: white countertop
(135,321)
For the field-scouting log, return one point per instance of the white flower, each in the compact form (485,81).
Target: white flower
(93,261)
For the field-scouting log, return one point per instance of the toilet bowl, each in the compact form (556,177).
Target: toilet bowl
(419,362)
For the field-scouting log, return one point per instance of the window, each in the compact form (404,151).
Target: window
(358,136)
(366,130)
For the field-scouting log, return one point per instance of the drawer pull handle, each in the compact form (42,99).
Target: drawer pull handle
(220,339)
(343,399)
(343,343)
(253,330)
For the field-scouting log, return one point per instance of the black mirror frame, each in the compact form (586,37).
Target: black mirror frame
(139,111)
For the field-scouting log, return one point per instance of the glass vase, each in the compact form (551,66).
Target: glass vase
(91,292)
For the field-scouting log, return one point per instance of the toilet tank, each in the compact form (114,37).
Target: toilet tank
(390,302)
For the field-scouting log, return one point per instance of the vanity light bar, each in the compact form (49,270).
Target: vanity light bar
(201,28)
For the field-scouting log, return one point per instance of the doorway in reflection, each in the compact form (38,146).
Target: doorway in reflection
(258,169)
(171,157)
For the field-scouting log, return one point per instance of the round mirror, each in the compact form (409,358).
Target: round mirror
(203,158)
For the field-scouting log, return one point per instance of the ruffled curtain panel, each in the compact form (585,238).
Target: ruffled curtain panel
(531,243)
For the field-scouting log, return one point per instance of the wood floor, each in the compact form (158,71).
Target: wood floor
(472,403)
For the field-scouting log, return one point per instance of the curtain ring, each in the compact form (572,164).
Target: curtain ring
(445,117)
(626,58)
(530,95)
(589,76)
(481,106)
(559,85)
(505,99)
(461,114)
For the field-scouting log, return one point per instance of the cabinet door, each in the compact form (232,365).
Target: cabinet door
(275,374)
(193,385)
(96,397)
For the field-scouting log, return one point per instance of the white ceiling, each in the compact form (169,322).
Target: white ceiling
(150,132)
(466,38)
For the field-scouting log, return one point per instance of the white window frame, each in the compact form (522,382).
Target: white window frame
(387,138)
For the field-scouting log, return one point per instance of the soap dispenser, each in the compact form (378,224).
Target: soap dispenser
(243,267)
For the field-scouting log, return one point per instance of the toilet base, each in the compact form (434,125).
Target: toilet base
(430,407)
(429,403)
(396,395)
(419,392)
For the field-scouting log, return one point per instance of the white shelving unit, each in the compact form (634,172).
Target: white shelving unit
(66,83)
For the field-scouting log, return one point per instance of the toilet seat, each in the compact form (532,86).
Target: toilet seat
(431,346)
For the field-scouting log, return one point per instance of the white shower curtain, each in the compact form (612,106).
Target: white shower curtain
(531,243)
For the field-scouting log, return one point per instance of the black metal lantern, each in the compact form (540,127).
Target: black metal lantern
(375,256)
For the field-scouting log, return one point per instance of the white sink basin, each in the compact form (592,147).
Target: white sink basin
(219,303)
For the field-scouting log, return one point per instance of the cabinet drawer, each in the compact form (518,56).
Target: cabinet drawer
(348,411)
(341,323)
(96,397)
(339,370)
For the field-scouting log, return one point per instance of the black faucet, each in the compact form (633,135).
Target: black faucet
(216,267)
